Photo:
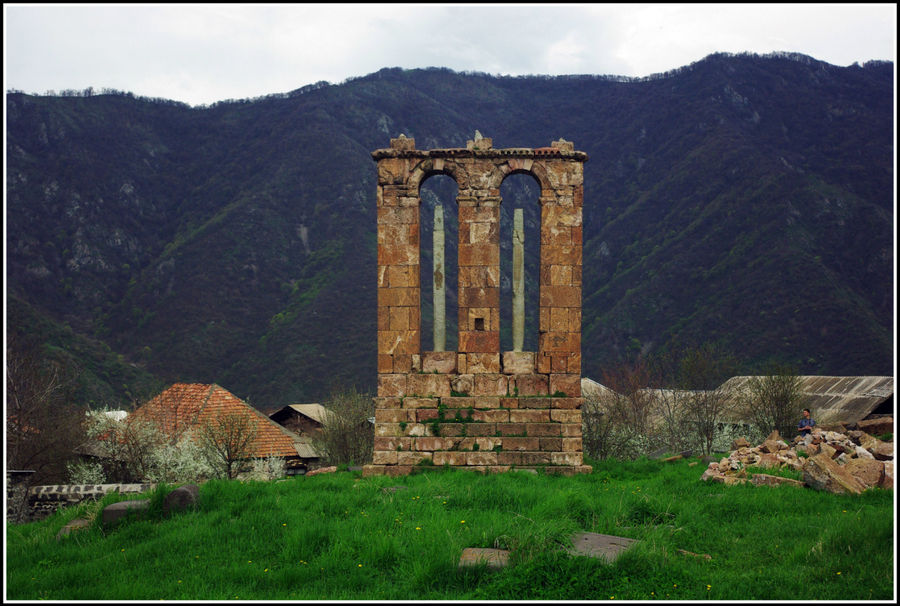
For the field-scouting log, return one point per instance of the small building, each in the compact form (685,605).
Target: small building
(184,406)
(302,419)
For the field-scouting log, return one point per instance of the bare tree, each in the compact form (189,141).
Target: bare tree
(703,371)
(346,435)
(42,422)
(775,400)
(227,441)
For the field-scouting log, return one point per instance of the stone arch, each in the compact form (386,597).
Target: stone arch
(431,167)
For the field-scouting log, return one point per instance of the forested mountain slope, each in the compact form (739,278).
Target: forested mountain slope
(741,199)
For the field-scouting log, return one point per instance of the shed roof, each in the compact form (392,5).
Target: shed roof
(316,412)
(836,399)
(184,406)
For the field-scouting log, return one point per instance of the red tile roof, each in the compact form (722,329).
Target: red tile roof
(186,405)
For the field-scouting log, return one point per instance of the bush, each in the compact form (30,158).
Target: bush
(346,436)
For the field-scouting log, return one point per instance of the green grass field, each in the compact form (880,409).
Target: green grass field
(344,537)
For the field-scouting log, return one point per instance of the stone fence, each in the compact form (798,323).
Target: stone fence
(28,504)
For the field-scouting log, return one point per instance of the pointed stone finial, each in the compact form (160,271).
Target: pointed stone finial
(478,136)
(403,143)
(480,142)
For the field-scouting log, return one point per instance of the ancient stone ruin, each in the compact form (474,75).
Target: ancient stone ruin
(478,408)
(829,460)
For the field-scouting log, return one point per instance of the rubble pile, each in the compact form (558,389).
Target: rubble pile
(838,462)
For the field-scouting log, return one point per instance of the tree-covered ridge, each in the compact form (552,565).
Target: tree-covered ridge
(744,199)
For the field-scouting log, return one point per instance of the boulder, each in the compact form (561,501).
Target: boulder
(878,426)
(76,524)
(862,453)
(821,473)
(115,513)
(740,443)
(764,479)
(492,558)
(883,451)
(322,470)
(888,480)
(868,471)
(183,497)
(770,446)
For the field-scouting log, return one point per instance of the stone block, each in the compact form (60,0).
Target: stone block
(869,472)
(529,415)
(549,430)
(116,512)
(478,556)
(434,443)
(74,525)
(821,473)
(384,457)
(550,444)
(479,341)
(529,385)
(483,363)
(490,385)
(439,361)
(566,403)
(391,385)
(535,403)
(511,429)
(464,383)
(449,458)
(521,444)
(492,416)
(394,415)
(481,429)
(571,445)
(413,457)
(566,458)
(481,458)
(182,498)
(568,384)
(877,426)
(570,430)
(416,402)
(428,384)
(518,362)
(565,416)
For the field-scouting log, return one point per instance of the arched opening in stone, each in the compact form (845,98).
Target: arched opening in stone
(438,190)
(520,190)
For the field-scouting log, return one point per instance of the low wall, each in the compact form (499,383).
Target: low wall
(38,502)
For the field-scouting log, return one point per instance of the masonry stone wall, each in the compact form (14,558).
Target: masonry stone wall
(27,504)
(478,408)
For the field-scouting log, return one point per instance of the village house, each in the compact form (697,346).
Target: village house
(186,406)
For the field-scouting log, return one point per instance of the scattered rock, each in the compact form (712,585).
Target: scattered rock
(740,443)
(183,497)
(764,479)
(115,513)
(705,556)
(855,461)
(595,545)
(821,473)
(475,556)
(879,426)
(322,470)
(868,471)
(76,524)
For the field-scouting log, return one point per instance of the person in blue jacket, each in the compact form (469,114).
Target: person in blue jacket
(806,424)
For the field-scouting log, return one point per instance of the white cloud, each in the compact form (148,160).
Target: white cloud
(203,53)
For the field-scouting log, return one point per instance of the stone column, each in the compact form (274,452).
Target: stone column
(518,280)
(479,273)
(438,289)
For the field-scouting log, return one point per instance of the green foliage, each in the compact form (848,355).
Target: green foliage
(346,435)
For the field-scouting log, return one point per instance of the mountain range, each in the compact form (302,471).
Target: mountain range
(745,200)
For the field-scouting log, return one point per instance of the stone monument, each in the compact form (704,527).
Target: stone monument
(479,408)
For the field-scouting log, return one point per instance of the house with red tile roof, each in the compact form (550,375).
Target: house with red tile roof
(186,406)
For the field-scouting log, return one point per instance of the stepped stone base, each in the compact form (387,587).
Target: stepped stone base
(479,433)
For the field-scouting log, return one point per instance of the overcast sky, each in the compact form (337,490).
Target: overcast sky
(204,53)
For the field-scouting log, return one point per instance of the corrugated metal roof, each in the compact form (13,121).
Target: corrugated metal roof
(830,399)
(836,399)
(316,412)
(186,405)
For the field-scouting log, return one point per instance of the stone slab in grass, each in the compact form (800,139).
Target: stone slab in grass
(114,513)
(493,558)
(72,526)
(594,545)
